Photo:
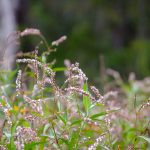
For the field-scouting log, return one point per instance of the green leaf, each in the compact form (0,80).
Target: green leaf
(44,59)
(64,141)
(11,75)
(62,118)
(2,115)
(42,142)
(73,140)
(98,115)
(46,127)
(13,129)
(145,138)
(86,99)
(59,105)
(103,113)
(76,122)
(31,146)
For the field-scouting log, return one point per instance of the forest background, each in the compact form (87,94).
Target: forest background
(101,34)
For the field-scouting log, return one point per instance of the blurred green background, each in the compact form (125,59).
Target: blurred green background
(116,30)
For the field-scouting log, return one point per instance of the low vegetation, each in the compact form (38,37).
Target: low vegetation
(39,112)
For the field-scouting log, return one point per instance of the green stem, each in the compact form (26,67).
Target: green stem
(56,139)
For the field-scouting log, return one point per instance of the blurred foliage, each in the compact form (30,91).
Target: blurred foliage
(117,29)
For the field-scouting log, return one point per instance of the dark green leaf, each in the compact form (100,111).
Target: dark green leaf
(86,99)
(98,115)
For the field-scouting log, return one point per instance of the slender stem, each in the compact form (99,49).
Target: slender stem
(82,124)
(56,139)
(44,40)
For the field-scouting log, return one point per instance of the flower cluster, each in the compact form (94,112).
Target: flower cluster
(44,68)
(24,135)
(79,91)
(36,105)
(59,41)
(18,83)
(30,31)
(147,104)
(91,122)
(75,75)
(98,95)
(97,142)
(6,109)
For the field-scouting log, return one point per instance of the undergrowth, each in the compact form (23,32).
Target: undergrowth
(37,113)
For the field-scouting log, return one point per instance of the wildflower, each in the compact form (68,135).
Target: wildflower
(30,117)
(7,110)
(67,63)
(18,82)
(110,94)
(24,135)
(30,31)
(59,41)
(36,105)
(24,110)
(147,104)
(97,142)
(75,75)
(98,95)
(44,67)
(107,120)
(15,108)
(93,124)
(80,91)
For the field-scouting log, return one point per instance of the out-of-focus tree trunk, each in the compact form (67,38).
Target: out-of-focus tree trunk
(7,27)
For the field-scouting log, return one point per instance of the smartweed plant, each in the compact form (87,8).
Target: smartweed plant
(37,113)
(40,114)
